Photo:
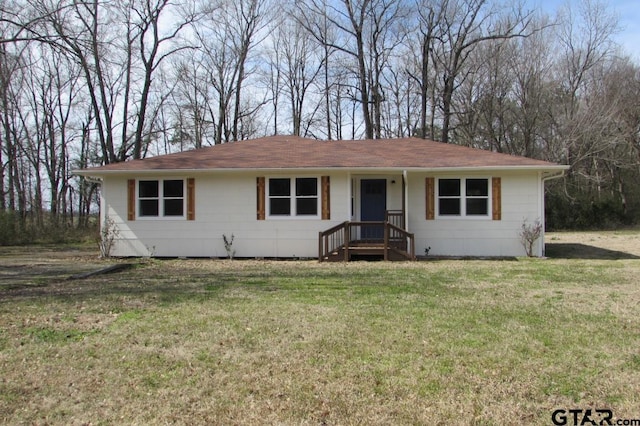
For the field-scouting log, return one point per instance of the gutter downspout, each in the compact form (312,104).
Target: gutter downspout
(350,200)
(405,196)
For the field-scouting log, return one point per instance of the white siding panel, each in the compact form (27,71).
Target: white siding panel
(477,237)
(225,204)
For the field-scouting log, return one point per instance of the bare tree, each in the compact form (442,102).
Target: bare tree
(54,82)
(531,66)
(151,40)
(463,25)
(315,18)
(585,42)
(130,33)
(366,32)
(302,64)
(428,16)
(249,15)
(193,117)
(399,110)
(11,84)
(274,65)
(226,36)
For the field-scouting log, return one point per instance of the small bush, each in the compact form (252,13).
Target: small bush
(108,234)
(529,234)
(228,245)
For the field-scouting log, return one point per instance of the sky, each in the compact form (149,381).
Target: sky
(628,12)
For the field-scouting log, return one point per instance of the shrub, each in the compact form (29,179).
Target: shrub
(529,234)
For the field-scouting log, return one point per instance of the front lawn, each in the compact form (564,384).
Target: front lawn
(258,342)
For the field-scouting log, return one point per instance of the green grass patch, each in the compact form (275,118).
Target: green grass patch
(244,342)
(51,335)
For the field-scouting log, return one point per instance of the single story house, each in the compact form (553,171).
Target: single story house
(293,197)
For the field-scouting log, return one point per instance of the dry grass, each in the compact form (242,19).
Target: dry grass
(256,342)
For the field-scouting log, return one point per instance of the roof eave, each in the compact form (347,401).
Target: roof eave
(541,168)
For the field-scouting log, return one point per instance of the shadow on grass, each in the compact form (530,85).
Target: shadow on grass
(141,282)
(167,282)
(583,251)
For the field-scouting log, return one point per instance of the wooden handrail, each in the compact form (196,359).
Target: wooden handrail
(398,229)
(332,239)
(335,228)
(340,237)
(399,234)
(395,217)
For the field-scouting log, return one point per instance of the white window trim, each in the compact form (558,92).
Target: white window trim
(161,198)
(292,199)
(463,198)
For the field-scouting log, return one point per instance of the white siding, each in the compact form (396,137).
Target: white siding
(225,203)
(466,236)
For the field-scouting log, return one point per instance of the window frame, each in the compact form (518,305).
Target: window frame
(270,197)
(161,199)
(293,199)
(463,197)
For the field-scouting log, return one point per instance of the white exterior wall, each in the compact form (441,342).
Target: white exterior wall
(225,203)
(522,199)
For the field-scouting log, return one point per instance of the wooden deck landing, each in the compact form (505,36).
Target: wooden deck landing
(392,243)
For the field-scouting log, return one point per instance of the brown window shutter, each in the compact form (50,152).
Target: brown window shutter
(326,197)
(191,199)
(131,199)
(496,202)
(430,198)
(260,189)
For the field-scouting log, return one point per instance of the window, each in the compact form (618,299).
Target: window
(280,197)
(306,196)
(149,197)
(477,200)
(463,197)
(293,197)
(449,197)
(161,198)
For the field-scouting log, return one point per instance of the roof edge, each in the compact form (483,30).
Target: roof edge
(92,172)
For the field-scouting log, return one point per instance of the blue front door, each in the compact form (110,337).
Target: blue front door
(373,206)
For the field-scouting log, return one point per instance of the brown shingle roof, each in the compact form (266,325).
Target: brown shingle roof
(291,152)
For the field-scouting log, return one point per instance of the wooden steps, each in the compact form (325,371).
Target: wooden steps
(350,240)
(367,251)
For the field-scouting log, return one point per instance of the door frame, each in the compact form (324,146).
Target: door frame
(377,203)
(383,184)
